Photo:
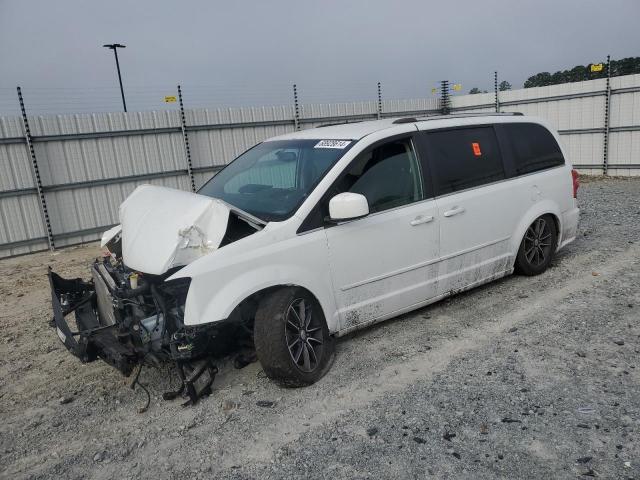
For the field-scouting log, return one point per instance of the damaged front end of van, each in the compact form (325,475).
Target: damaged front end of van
(130,313)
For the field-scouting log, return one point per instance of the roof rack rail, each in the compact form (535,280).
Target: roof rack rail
(490,114)
(440,116)
(338,123)
(405,120)
(473,114)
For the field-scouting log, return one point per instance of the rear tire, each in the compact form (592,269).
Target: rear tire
(538,246)
(292,339)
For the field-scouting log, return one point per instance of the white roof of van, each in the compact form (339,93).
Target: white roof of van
(358,130)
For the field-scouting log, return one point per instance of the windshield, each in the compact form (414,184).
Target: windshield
(271,180)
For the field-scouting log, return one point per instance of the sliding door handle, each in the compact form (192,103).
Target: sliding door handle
(453,211)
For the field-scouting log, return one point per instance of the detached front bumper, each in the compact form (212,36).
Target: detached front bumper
(96,320)
(92,339)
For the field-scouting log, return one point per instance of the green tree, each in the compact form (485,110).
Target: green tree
(504,85)
(579,73)
(538,80)
(474,90)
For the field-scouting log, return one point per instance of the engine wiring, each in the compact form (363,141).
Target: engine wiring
(136,381)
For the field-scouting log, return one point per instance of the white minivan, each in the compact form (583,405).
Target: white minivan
(316,233)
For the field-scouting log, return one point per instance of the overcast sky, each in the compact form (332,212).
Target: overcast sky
(250,52)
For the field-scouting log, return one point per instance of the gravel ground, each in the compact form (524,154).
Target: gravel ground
(522,378)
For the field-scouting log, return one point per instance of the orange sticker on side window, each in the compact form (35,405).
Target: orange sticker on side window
(476,149)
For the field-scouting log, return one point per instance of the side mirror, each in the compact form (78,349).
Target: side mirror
(348,206)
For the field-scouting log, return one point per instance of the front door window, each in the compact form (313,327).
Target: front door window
(388,176)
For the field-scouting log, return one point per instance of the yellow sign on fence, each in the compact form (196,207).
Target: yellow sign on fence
(457,87)
(170,99)
(597,67)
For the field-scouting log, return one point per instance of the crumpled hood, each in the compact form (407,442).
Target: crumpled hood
(163,228)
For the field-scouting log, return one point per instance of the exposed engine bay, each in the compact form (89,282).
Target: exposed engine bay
(130,319)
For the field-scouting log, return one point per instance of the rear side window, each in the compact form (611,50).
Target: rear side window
(533,147)
(463,158)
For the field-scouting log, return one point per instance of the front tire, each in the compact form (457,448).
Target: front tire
(292,339)
(538,246)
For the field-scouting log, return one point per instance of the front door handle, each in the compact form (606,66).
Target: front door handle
(420,219)
(453,211)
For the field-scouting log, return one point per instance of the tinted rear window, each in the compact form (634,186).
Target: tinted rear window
(533,147)
(463,158)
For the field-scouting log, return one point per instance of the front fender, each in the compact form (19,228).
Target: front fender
(203,307)
(223,279)
(538,209)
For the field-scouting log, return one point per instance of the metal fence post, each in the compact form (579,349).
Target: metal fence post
(36,173)
(379,101)
(607,117)
(185,138)
(444,95)
(296,108)
(495,89)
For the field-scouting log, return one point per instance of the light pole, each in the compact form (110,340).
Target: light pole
(114,47)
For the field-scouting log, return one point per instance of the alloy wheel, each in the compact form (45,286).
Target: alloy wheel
(303,333)
(537,243)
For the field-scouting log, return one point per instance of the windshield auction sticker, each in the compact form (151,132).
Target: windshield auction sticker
(332,144)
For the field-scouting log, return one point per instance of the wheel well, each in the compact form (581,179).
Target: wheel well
(556,222)
(245,311)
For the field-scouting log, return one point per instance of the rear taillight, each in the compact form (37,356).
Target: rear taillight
(576,182)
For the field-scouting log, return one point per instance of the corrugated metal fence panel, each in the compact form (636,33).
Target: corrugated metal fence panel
(471,102)
(346,109)
(417,105)
(563,114)
(15,165)
(15,162)
(80,160)
(368,110)
(470,109)
(544,93)
(21,227)
(584,149)
(101,122)
(20,218)
(86,178)
(624,146)
(625,107)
